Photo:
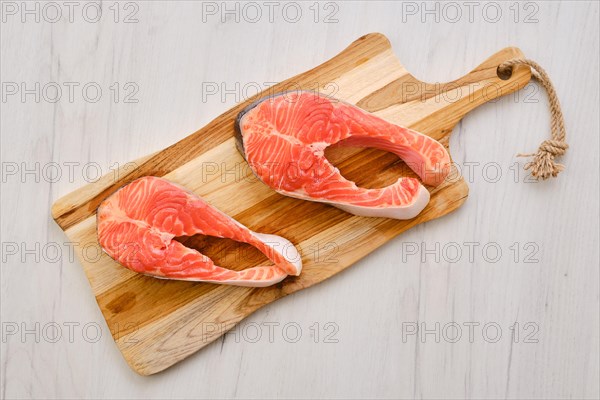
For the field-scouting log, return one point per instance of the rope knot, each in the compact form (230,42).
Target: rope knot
(554,147)
(543,165)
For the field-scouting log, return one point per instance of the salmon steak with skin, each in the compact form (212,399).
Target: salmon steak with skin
(283,138)
(138,223)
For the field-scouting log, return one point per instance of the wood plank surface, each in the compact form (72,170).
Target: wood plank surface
(184,68)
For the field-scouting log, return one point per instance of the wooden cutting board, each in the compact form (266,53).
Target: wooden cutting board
(157,323)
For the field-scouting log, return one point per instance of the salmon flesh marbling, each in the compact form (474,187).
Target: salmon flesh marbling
(137,224)
(283,137)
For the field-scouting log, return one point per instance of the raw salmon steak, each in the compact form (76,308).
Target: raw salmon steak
(283,137)
(137,225)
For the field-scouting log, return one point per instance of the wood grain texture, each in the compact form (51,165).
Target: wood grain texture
(171,320)
(169,54)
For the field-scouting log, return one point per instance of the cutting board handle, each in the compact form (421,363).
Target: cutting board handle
(486,83)
(435,108)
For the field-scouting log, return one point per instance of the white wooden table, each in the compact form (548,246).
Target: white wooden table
(499,299)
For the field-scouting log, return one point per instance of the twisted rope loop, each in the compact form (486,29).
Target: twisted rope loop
(543,165)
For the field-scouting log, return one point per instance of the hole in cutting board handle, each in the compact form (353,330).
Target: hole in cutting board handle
(504,75)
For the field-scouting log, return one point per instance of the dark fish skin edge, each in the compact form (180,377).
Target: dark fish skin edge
(239,140)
